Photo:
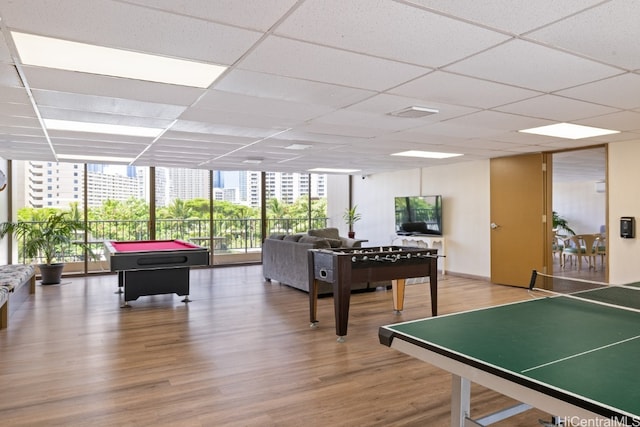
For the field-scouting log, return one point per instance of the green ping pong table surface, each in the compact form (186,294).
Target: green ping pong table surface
(577,359)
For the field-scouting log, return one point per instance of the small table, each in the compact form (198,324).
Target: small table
(424,241)
(154,267)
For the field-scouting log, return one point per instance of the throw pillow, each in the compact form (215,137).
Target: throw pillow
(328,233)
(292,237)
(318,242)
(334,243)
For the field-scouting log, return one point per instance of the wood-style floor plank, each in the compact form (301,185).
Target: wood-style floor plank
(240,354)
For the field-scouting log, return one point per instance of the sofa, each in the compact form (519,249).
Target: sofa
(17,282)
(284,258)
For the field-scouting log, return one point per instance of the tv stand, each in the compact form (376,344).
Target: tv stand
(424,241)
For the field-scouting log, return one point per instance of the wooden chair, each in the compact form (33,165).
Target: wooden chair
(569,251)
(557,247)
(601,248)
(582,245)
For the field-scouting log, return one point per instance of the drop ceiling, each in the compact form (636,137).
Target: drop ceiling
(326,75)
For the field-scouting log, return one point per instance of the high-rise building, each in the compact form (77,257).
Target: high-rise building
(187,184)
(49,184)
(288,187)
(53,185)
(114,183)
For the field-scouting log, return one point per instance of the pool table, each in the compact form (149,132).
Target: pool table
(153,267)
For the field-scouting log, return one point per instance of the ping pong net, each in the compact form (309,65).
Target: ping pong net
(619,296)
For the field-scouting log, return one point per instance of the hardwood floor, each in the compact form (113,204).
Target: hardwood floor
(240,354)
(597,274)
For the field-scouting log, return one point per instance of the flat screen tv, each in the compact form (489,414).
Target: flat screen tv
(419,215)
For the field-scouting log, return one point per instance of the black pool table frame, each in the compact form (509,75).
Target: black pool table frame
(155,272)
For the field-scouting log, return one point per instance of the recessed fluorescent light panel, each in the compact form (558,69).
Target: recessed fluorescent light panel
(52,124)
(66,55)
(333,170)
(253,161)
(97,159)
(426,154)
(297,147)
(569,131)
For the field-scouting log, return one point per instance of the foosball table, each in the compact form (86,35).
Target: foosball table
(341,267)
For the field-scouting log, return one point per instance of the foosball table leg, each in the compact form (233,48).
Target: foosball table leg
(398,286)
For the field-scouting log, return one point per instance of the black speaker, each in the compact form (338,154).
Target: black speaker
(627,227)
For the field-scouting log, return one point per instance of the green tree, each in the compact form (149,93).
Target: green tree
(179,213)
(199,206)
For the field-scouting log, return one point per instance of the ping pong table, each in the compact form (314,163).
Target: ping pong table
(573,356)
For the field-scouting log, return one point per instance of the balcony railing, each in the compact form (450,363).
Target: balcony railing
(229,235)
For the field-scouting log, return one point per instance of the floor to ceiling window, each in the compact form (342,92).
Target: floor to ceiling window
(229,212)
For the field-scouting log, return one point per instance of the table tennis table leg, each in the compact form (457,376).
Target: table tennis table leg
(461,407)
(460,400)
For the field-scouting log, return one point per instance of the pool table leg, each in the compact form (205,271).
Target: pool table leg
(120,282)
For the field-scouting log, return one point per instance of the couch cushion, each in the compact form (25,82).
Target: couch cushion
(4,294)
(334,243)
(277,236)
(327,233)
(13,275)
(318,242)
(292,237)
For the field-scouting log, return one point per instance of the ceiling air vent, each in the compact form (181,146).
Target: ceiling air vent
(414,112)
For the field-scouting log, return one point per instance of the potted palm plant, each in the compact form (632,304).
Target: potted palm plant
(44,240)
(560,223)
(351,216)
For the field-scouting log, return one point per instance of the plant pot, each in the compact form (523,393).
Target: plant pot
(351,234)
(51,274)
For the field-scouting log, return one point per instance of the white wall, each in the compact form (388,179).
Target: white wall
(582,207)
(375,197)
(338,201)
(623,178)
(465,207)
(466,214)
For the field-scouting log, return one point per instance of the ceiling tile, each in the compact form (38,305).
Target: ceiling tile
(108,105)
(366,26)
(289,89)
(318,63)
(623,121)
(531,66)
(384,104)
(552,107)
(119,25)
(217,101)
(253,14)
(14,95)
(620,92)
(454,89)
(515,16)
(112,87)
(608,33)
(9,76)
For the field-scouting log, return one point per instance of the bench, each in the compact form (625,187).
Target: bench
(14,279)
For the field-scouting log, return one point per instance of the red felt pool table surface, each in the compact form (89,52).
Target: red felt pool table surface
(153,245)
